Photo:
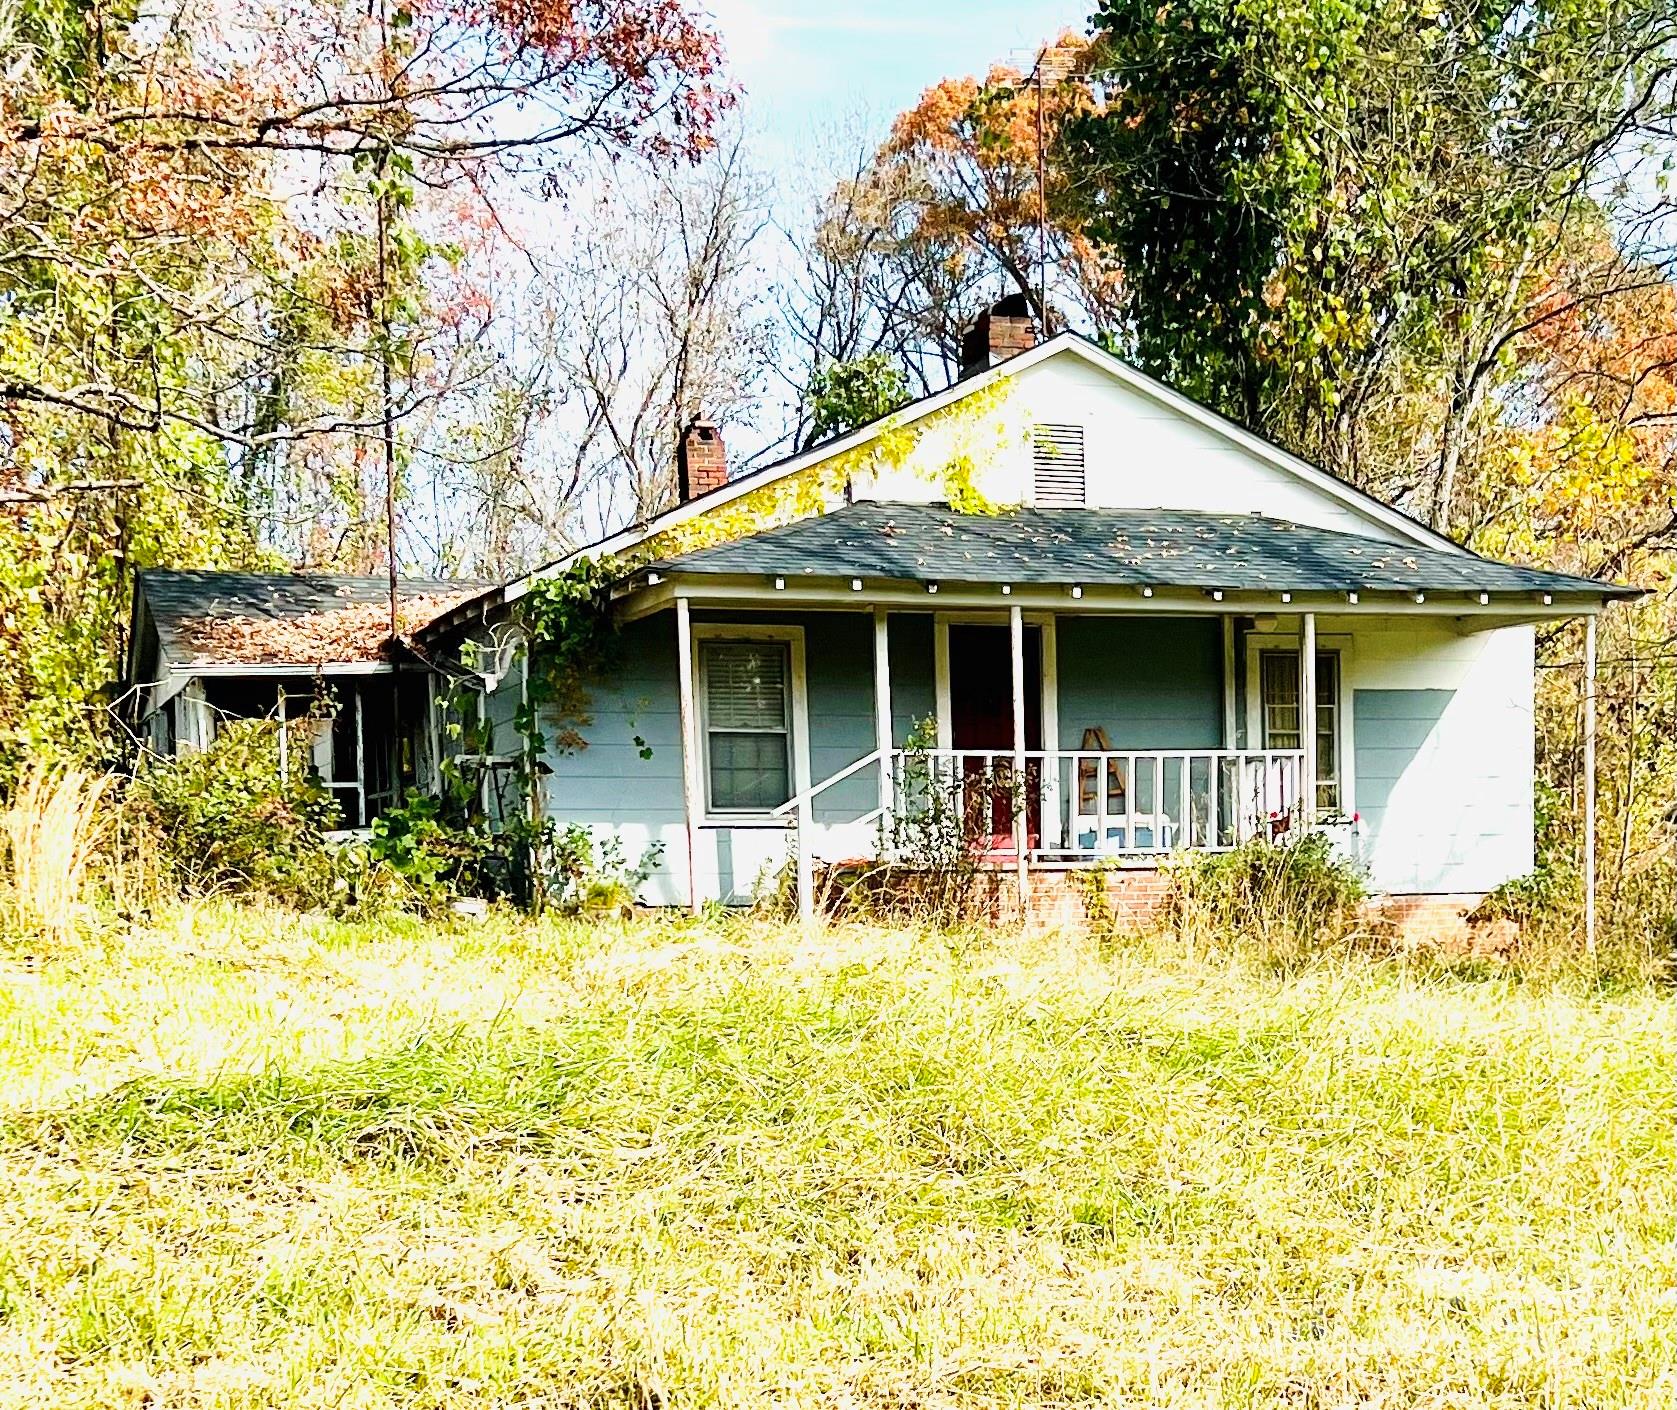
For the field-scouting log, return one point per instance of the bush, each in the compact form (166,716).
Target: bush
(1290,899)
(224,818)
(431,853)
(592,878)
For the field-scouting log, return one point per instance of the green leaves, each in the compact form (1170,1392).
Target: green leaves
(844,395)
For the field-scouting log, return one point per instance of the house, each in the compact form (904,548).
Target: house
(309,648)
(1134,627)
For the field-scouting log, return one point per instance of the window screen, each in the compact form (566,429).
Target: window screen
(747,732)
(1057,465)
(1279,681)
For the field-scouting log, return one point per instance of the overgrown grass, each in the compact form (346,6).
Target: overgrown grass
(253,1160)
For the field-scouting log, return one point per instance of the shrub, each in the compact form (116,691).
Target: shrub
(434,855)
(592,878)
(931,847)
(1291,899)
(52,829)
(224,818)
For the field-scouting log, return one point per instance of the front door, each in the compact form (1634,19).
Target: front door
(981,722)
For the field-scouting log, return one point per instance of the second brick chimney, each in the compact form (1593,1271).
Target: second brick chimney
(1001,331)
(701,461)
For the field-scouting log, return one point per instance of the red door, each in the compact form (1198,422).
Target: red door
(981,718)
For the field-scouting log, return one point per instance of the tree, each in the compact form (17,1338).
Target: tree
(645,314)
(1324,208)
(911,238)
(236,265)
(844,395)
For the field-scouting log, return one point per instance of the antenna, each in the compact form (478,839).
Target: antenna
(1055,63)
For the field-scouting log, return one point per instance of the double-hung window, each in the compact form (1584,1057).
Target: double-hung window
(747,702)
(1279,682)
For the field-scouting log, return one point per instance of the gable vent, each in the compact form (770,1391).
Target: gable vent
(1057,465)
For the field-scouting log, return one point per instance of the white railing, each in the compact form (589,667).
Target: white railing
(1086,804)
(1080,805)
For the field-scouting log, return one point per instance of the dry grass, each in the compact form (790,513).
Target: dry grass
(53,828)
(253,1160)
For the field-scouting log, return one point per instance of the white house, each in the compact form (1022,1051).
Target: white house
(1174,633)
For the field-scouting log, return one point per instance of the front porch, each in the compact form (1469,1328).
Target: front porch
(1053,739)
(1156,705)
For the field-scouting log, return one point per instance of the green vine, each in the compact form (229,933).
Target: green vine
(572,640)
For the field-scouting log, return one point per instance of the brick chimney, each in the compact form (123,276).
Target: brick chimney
(701,461)
(1002,330)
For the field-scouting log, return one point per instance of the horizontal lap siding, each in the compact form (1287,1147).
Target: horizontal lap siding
(608,781)
(913,675)
(610,788)
(1442,754)
(1150,683)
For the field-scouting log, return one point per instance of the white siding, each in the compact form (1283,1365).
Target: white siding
(1140,454)
(1456,813)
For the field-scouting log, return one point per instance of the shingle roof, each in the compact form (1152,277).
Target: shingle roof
(284,618)
(1157,547)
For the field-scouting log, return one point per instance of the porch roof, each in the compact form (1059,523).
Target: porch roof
(1121,547)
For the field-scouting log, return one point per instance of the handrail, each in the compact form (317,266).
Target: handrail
(817,788)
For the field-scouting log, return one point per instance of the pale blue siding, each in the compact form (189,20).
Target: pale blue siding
(608,781)
(913,673)
(1391,730)
(1150,682)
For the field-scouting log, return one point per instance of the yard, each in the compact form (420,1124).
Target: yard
(253,1160)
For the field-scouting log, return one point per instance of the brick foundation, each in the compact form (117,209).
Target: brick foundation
(1135,898)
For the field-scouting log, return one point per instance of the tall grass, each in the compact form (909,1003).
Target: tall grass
(259,1161)
(53,826)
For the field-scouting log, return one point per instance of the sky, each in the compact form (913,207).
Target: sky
(803,63)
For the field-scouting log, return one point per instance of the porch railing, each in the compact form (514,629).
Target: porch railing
(1083,804)
(1079,805)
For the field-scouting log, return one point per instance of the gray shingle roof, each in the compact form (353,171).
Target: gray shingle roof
(177,598)
(1158,547)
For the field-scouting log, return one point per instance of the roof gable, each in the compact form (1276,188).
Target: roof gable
(1064,347)
(1362,512)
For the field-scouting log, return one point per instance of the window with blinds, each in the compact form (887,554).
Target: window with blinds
(747,718)
(1058,476)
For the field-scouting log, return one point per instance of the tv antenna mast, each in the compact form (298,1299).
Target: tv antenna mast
(1054,64)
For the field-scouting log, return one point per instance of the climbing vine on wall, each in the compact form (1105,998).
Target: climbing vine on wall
(569,633)
(977,431)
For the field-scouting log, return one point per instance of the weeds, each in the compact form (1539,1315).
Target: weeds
(53,829)
(1290,902)
(258,1161)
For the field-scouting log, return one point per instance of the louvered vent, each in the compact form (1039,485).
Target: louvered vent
(1057,463)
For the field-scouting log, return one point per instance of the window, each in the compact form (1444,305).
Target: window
(1057,465)
(747,721)
(1279,682)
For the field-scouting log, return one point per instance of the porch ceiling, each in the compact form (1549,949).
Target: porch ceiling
(1246,553)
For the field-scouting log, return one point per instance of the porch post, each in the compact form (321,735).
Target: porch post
(689,742)
(1021,804)
(1589,784)
(1228,682)
(1307,717)
(882,705)
(284,742)
(433,734)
